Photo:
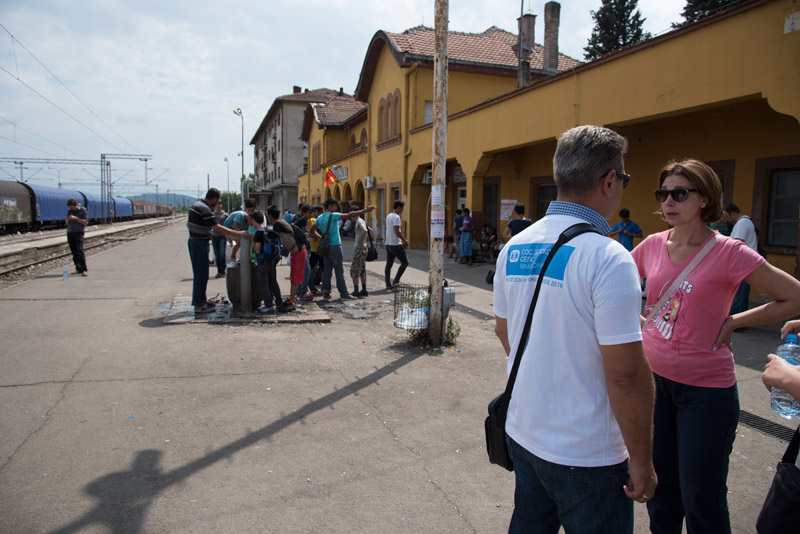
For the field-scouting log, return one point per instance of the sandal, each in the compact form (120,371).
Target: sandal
(205,309)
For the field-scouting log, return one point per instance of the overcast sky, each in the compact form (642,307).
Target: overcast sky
(163,77)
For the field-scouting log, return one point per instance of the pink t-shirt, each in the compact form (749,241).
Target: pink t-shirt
(678,342)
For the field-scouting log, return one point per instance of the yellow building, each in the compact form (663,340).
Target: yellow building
(725,90)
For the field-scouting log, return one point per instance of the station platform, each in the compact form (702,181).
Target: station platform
(115,420)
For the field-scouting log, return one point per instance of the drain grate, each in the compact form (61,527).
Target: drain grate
(765,426)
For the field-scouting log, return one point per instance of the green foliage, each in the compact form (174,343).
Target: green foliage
(421,338)
(695,10)
(617,24)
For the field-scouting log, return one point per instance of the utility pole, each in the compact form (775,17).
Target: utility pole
(437,329)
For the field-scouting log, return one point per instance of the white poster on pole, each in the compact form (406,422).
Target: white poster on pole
(437,224)
(507,209)
(436,195)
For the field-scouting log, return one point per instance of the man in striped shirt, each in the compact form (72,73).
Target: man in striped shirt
(201,226)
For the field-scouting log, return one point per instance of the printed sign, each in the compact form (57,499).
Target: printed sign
(436,195)
(527,260)
(437,224)
(507,209)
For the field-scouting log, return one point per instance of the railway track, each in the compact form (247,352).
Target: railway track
(36,260)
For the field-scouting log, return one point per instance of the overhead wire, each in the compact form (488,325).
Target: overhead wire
(44,138)
(91,111)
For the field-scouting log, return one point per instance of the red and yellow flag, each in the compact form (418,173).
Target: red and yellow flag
(330,178)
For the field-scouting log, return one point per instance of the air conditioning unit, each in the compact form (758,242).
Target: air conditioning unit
(369,182)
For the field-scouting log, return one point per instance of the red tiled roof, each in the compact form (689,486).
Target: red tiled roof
(491,47)
(338,110)
(314,95)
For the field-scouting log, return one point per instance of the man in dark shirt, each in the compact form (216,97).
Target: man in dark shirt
(77,219)
(201,225)
(517,224)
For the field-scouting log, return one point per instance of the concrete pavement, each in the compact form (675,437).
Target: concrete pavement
(115,421)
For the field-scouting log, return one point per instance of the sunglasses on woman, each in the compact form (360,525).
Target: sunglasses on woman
(679,194)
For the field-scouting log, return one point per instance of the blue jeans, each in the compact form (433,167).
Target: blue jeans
(198,253)
(219,242)
(333,262)
(693,432)
(587,500)
(741,300)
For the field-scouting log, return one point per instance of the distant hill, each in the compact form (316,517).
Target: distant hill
(175,200)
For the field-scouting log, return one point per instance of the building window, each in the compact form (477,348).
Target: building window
(363,137)
(784,202)
(381,110)
(389,111)
(279,145)
(547,194)
(428,112)
(396,119)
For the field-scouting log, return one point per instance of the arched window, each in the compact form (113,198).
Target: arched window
(387,119)
(363,137)
(353,142)
(397,107)
(381,118)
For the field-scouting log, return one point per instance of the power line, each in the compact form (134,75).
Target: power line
(40,137)
(27,146)
(91,111)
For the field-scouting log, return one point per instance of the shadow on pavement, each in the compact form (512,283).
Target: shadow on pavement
(124,497)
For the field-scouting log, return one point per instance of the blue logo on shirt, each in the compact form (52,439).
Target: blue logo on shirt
(527,260)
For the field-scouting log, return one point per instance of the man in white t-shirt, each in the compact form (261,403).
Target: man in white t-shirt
(579,424)
(395,243)
(743,230)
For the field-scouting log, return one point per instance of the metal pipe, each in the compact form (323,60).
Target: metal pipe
(436,326)
(246,276)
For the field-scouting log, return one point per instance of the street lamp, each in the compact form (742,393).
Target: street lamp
(238,111)
(228,163)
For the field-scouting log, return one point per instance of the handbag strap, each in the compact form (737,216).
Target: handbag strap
(790,456)
(328,227)
(681,277)
(369,235)
(566,235)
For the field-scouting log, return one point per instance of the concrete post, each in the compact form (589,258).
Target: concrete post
(436,328)
(246,275)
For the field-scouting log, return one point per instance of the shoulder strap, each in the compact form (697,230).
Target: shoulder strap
(328,226)
(681,277)
(566,235)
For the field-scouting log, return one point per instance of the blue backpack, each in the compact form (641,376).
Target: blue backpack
(271,250)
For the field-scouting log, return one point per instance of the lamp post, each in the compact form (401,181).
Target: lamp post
(238,111)
(228,163)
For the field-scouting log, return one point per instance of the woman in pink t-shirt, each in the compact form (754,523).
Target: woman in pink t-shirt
(688,345)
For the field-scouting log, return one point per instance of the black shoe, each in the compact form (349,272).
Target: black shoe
(286,307)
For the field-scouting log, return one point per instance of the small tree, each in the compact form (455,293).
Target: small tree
(617,24)
(695,10)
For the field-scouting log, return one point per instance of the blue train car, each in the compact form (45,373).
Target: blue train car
(51,203)
(123,208)
(96,207)
(15,207)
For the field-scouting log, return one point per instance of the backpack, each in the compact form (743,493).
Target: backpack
(271,249)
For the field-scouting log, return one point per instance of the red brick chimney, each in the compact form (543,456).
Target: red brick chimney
(296,89)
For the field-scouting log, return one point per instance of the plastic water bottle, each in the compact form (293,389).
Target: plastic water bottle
(65,273)
(782,403)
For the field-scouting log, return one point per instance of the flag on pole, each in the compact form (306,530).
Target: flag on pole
(330,178)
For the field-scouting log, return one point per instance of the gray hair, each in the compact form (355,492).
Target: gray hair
(583,155)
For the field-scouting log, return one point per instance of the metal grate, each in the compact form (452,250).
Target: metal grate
(765,426)
(411,307)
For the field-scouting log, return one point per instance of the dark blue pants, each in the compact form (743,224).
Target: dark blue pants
(585,500)
(198,253)
(75,241)
(392,252)
(741,300)
(219,242)
(694,429)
